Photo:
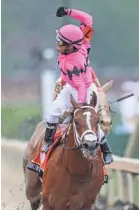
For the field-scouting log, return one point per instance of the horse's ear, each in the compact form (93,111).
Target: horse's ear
(107,86)
(73,102)
(93,101)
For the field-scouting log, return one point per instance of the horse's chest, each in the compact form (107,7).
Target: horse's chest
(72,202)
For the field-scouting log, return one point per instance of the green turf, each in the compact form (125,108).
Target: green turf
(19,121)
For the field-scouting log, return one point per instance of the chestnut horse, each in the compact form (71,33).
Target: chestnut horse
(74,173)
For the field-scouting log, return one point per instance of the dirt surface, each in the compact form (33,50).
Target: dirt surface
(12,178)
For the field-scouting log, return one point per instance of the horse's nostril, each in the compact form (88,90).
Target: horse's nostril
(86,146)
(90,145)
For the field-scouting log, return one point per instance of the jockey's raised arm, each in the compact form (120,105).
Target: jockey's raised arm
(86,24)
(83,17)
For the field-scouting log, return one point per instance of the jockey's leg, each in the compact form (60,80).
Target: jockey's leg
(57,109)
(49,135)
(107,154)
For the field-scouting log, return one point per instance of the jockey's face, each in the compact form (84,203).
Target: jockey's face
(64,49)
(61,49)
(62,46)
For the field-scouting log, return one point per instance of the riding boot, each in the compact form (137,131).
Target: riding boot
(49,135)
(107,155)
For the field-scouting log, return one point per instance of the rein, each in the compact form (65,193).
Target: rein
(79,143)
(65,141)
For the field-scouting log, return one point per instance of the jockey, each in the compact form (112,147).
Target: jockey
(73,45)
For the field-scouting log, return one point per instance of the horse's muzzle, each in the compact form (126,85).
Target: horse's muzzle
(90,141)
(90,147)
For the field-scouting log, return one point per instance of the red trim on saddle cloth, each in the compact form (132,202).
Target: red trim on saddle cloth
(42,158)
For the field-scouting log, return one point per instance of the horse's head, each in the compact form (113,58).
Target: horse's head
(85,126)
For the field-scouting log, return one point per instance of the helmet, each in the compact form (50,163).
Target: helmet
(71,34)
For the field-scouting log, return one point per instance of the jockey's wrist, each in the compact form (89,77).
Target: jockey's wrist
(68,11)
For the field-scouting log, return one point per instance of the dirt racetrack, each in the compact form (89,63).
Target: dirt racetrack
(12,178)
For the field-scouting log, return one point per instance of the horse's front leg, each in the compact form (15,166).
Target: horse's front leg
(45,204)
(33,188)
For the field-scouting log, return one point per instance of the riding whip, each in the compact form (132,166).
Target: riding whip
(122,98)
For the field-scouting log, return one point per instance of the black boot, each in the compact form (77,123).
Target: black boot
(49,135)
(107,155)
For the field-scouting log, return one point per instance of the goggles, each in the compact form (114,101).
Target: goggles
(61,42)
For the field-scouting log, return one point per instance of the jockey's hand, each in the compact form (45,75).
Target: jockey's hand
(61,11)
(58,87)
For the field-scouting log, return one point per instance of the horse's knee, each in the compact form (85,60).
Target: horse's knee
(31,193)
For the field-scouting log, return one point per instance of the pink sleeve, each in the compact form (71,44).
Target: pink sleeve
(85,18)
(86,21)
(78,83)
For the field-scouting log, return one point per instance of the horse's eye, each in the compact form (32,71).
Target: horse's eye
(102,122)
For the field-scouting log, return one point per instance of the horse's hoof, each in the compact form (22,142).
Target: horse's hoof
(35,205)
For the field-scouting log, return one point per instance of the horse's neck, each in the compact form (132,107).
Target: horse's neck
(74,159)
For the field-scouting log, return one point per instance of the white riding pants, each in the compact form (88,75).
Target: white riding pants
(62,103)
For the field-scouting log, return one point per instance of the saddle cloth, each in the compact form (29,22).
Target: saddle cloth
(39,163)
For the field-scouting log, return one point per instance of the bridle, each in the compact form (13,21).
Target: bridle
(79,142)
(78,139)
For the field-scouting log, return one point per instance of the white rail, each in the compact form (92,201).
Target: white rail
(123,181)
